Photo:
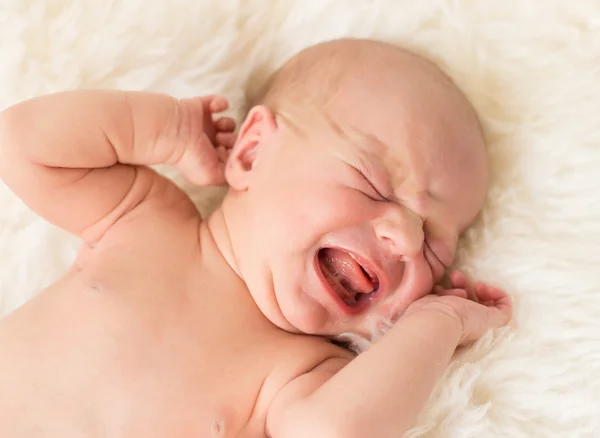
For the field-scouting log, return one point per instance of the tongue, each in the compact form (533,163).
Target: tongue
(347,271)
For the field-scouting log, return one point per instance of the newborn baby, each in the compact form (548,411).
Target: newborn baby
(350,181)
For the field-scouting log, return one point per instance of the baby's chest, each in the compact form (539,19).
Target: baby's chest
(199,379)
(146,381)
(109,364)
(182,395)
(196,381)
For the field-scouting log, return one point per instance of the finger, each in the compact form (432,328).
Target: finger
(460,281)
(460,293)
(478,319)
(485,292)
(500,312)
(438,290)
(226,139)
(504,306)
(225,124)
(218,104)
(203,103)
(223,153)
(495,298)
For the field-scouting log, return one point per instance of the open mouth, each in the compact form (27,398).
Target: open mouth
(354,283)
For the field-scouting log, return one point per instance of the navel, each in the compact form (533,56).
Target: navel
(92,291)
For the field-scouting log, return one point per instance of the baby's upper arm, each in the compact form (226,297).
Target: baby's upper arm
(79,159)
(88,202)
(146,187)
(285,416)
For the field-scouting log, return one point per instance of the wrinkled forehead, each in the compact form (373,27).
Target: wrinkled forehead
(384,127)
(416,109)
(425,139)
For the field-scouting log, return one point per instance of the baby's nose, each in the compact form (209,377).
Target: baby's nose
(401,231)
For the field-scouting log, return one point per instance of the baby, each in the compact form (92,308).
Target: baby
(350,181)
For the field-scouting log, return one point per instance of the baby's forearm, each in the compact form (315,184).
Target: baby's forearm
(381,392)
(91,129)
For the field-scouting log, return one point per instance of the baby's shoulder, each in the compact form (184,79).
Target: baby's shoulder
(303,354)
(297,356)
(318,347)
(167,215)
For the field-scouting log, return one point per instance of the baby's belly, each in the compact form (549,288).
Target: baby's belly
(80,361)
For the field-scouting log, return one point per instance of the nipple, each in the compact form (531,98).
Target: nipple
(217,428)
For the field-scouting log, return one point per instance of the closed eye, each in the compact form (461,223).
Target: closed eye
(438,268)
(378,196)
(435,255)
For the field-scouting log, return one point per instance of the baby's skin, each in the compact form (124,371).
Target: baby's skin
(168,325)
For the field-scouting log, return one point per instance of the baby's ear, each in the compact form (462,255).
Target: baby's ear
(259,124)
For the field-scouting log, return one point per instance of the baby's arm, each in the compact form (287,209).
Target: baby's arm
(79,158)
(381,392)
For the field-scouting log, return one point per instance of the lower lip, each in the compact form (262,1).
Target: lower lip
(340,304)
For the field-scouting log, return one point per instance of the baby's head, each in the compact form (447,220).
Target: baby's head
(353,176)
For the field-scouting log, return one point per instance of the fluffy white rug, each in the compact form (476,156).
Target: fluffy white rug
(532,68)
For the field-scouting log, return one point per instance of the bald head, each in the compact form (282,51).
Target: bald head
(378,93)
(314,76)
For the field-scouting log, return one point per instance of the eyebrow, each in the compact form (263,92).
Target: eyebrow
(361,139)
(373,140)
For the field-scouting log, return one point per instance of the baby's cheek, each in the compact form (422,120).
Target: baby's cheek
(350,208)
(335,208)
(302,216)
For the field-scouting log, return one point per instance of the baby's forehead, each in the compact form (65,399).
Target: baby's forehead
(375,133)
(403,127)
(376,153)
(413,156)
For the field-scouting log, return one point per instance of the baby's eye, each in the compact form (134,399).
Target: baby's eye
(372,192)
(367,186)
(437,266)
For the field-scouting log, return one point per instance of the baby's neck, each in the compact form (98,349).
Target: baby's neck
(216,229)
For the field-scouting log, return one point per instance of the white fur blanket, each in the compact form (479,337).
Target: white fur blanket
(531,67)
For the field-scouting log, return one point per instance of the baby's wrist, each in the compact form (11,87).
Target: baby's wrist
(441,317)
(176,134)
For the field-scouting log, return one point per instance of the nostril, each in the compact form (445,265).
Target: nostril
(401,246)
(391,242)
(387,240)
(401,232)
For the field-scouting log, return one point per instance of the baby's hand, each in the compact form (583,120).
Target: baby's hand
(476,308)
(202,142)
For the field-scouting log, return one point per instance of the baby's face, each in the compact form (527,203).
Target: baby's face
(353,215)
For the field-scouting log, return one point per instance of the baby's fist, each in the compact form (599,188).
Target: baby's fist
(202,142)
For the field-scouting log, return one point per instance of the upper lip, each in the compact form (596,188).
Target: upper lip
(374,271)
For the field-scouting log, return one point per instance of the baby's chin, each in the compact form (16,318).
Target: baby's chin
(306,322)
(298,313)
